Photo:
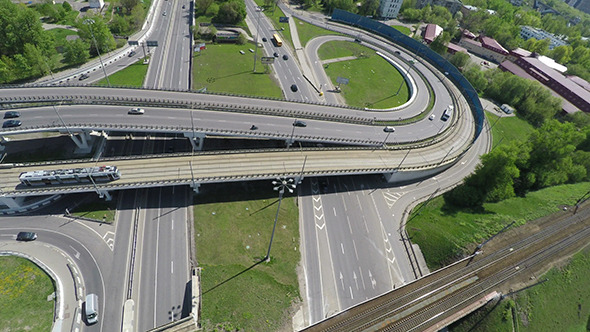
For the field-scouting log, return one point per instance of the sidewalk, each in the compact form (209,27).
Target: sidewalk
(61,268)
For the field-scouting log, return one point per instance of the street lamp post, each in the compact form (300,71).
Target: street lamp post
(90,22)
(281,185)
(258,10)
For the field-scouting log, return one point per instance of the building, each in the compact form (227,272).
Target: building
(389,8)
(454,48)
(583,5)
(485,47)
(528,32)
(568,89)
(452,5)
(96,3)
(431,32)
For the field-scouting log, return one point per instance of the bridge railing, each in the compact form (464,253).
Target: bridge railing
(423,51)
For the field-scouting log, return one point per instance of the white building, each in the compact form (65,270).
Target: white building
(389,8)
(95,3)
(528,32)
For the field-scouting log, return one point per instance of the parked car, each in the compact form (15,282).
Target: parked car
(299,123)
(11,123)
(26,236)
(11,114)
(136,110)
(285,57)
(294,88)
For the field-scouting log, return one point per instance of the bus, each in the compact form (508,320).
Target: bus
(277,40)
(447,113)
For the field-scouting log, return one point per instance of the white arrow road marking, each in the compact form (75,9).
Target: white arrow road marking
(342,280)
(355,280)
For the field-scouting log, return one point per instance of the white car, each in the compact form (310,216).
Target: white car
(431,117)
(136,110)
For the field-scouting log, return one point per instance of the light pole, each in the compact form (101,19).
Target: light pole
(281,185)
(90,22)
(258,10)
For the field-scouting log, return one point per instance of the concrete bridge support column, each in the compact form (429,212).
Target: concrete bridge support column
(82,141)
(196,139)
(391,177)
(3,140)
(195,187)
(13,203)
(105,194)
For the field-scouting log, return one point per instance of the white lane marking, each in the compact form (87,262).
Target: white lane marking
(373,282)
(355,252)
(171,267)
(352,296)
(342,280)
(172,224)
(334,208)
(77,254)
(349,226)
(362,278)
(355,280)
(342,247)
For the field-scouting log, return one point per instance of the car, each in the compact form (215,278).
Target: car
(164,14)
(11,123)
(183,6)
(242,52)
(431,117)
(264,39)
(136,110)
(397,52)
(11,114)
(299,123)
(132,53)
(294,88)
(83,77)
(276,55)
(254,127)
(285,57)
(357,40)
(389,129)
(26,236)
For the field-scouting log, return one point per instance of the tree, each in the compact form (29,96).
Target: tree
(412,14)
(104,38)
(76,52)
(562,54)
(66,6)
(369,7)
(439,45)
(242,39)
(119,25)
(6,74)
(476,77)
(202,5)
(407,4)
(128,5)
(231,12)
(35,60)
(137,16)
(460,59)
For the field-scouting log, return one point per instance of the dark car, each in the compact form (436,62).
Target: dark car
(183,6)
(132,53)
(26,236)
(11,123)
(285,57)
(264,39)
(83,77)
(299,123)
(397,52)
(11,114)
(294,88)
(276,55)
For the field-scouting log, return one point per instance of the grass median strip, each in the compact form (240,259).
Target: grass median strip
(233,225)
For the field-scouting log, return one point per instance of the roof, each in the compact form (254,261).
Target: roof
(455,48)
(580,81)
(432,31)
(471,41)
(516,70)
(468,34)
(488,42)
(551,63)
(520,52)
(471,8)
(558,77)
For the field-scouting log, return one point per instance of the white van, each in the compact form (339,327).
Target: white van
(91,308)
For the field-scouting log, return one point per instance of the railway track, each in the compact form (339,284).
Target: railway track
(436,297)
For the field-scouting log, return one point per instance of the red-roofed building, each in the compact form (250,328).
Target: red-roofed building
(580,81)
(454,48)
(518,53)
(468,34)
(431,32)
(508,66)
(488,49)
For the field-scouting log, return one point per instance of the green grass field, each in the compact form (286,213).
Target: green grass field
(405,30)
(508,129)
(97,210)
(130,76)
(443,233)
(308,31)
(560,304)
(339,49)
(24,289)
(233,225)
(373,81)
(221,68)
